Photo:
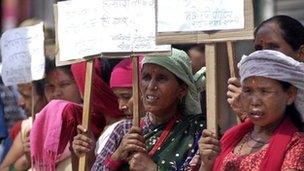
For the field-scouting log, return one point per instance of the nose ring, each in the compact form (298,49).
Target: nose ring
(155,88)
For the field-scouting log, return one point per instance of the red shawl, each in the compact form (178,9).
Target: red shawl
(103,102)
(275,154)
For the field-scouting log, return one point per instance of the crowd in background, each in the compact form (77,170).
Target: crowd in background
(172,135)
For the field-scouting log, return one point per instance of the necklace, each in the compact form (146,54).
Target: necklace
(244,140)
(257,141)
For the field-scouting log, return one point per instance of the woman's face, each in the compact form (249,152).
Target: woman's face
(60,85)
(124,97)
(25,100)
(270,36)
(265,100)
(161,91)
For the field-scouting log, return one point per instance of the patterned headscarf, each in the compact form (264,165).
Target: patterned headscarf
(180,65)
(275,65)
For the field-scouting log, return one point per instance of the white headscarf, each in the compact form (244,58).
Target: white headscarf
(275,65)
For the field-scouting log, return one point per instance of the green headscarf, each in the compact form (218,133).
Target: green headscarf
(180,65)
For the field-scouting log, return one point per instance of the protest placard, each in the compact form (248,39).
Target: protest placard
(108,27)
(22,51)
(200,15)
(209,22)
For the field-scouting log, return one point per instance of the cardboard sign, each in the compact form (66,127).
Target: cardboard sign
(22,51)
(199,15)
(106,26)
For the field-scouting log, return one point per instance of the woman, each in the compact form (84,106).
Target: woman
(58,84)
(272,97)
(167,138)
(20,144)
(121,85)
(104,110)
(281,33)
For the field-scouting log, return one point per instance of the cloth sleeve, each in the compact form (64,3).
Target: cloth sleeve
(294,158)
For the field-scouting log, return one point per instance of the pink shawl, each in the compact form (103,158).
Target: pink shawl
(45,136)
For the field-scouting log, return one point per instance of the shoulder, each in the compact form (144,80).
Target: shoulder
(294,158)
(297,140)
(120,128)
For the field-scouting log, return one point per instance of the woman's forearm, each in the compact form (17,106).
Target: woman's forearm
(22,163)
(205,167)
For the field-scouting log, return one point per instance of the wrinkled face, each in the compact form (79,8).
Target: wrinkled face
(270,37)
(197,56)
(60,85)
(161,91)
(25,100)
(265,100)
(124,97)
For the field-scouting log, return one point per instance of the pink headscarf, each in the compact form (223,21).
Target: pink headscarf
(121,76)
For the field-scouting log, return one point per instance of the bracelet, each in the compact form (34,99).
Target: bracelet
(112,164)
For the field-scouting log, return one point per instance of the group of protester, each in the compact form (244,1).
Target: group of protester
(172,135)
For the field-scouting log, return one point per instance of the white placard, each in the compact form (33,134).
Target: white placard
(106,26)
(199,15)
(22,51)
(130,26)
(78,29)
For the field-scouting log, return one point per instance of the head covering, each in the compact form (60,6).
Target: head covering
(103,100)
(121,76)
(180,65)
(275,65)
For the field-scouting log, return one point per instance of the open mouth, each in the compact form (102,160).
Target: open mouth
(256,114)
(151,98)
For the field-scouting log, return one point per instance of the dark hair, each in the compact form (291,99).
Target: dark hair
(291,110)
(39,87)
(187,47)
(293,30)
(50,66)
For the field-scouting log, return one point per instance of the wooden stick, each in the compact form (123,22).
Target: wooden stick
(211,87)
(231,59)
(33,101)
(135,85)
(83,166)
(232,66)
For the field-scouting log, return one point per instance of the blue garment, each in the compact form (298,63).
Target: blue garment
(5,141)
(3,129)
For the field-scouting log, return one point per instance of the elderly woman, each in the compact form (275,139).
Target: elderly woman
(168,134)
(281,33)
(121,85)
(272,96)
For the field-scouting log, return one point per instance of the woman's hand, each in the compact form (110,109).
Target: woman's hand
(209,147)
(234,95)
(83,142)
(141,161)
(131,143)
(26,145)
